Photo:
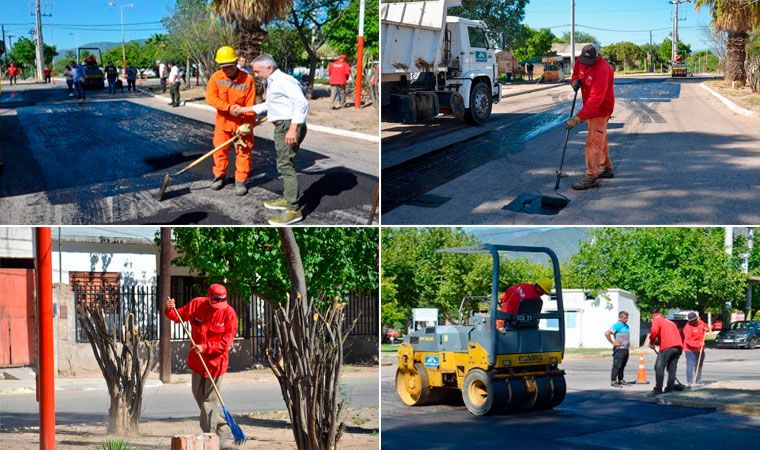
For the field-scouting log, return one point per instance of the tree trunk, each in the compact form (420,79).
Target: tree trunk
(735,56)
(248,39)
(294,263)
(118,417)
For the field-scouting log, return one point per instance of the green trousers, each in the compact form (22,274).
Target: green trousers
(285,165)
(212,417)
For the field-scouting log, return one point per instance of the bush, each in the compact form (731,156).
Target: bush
(115,444)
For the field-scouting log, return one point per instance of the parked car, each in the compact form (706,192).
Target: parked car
(744,334)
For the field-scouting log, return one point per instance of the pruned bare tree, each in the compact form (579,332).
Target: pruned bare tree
(123,366)
(305,352)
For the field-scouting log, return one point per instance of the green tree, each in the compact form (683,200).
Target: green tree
(503,18)
(532,43)
(665,267)
(665,49)
(25,53)
(703,60)
(341,34)
(625,54)
(418,276)
(284,45)
(580,36)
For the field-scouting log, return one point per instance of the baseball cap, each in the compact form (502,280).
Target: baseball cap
(589,54)
(217,293)
(692,315)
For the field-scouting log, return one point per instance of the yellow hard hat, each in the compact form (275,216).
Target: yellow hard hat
(546,284)
(226,55)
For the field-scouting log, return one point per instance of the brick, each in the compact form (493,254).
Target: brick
(207,441)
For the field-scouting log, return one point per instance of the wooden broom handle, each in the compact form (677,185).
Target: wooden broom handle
(213,384)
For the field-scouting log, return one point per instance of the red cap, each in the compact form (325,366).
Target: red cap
(217,293)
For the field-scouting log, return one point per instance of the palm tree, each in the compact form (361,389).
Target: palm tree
(736,18)
(247,17)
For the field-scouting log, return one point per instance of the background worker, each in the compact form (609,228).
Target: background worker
(131,77)
(619,335)
(77,71)
(174,83)
(163,75)
(229,90)
(69,77)
(214,324)
(112,73)
(694,347)
(13,72)
(286,109)
(243,65)
(529,69)
(593,75)
(514,295)
(665,333)
(47,73)
(339,72)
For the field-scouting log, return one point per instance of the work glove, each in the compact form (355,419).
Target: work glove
(244,129)
(576,85)
(572,122)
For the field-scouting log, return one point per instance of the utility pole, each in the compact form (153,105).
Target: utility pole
(674,48)
(572,35)
(651,52)
(38,34)
(164,276)
(359,58)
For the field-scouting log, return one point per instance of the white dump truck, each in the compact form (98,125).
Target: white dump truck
(435,64)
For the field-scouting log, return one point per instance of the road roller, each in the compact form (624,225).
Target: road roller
(497,369)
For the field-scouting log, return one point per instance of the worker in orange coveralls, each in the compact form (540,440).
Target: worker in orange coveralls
(214,324)
(229,90)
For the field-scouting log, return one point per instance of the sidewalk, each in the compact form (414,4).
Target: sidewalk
(730,396)
(93,381)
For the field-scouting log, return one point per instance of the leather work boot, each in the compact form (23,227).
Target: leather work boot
(279,204)
(218,183)
(240,188)
(289,216)
(607,173)
(584,184)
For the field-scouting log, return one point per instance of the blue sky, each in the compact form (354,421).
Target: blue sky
(91,20)
(621,15)
(95,21)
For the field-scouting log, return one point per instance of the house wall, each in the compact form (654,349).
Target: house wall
(136,263)
(586,320)
(16,242)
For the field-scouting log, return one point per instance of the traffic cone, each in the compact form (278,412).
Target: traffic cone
(641,378)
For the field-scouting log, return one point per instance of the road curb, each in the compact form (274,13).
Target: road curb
(542,88)
(731,105)
(315,127)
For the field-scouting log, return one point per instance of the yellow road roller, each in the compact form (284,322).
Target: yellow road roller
(496,370)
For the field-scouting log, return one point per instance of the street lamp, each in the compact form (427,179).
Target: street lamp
(76,45)
(123,50)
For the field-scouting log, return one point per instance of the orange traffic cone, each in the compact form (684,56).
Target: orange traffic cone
(641,378)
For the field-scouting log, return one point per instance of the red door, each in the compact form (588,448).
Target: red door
(16,317)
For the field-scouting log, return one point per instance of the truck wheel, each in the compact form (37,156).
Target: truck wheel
(544,394)
(517,395)
(412,386)
(482,394)
(480,104)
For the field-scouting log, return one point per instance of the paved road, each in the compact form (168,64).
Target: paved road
(75,407)
(680,157)
(593,415)
(102,161)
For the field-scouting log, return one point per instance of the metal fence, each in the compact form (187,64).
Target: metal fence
(140,305)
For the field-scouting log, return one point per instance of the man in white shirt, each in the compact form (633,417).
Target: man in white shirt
(286,109)
(163,74)
(174,82)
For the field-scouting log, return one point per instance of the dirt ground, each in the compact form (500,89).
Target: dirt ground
(363,120)
(742,96)
(266,429)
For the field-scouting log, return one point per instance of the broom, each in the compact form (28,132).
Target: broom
(237,433)
(168,177)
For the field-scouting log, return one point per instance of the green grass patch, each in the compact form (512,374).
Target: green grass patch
(586,351)
(389,348)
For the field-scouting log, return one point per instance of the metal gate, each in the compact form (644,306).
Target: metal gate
(17,323)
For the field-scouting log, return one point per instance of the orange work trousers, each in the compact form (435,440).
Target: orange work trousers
(597,147)
(242,156)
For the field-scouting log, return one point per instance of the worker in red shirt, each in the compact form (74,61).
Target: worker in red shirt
(514,295)
(666,334)
(13,72)
(213,324)
(339,72)
(47,72)
(694,347)
(593,75)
